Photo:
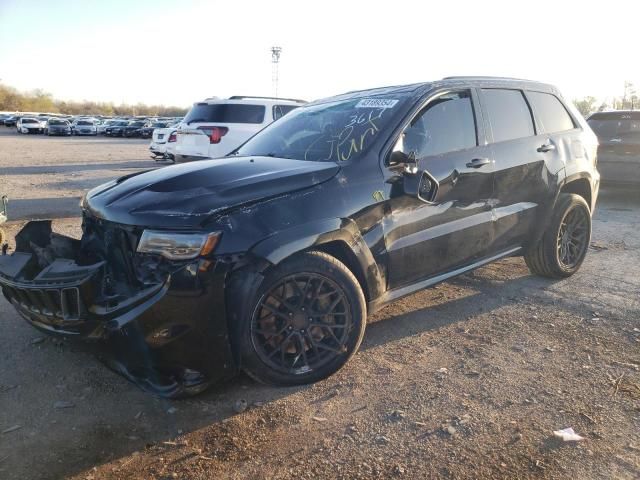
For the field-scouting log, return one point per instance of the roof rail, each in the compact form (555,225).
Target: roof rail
(484,77)
(242,97)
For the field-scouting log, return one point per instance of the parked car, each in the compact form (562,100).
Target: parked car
(11,120)
(133,128)
(163,142)
(619,151)
(147,130)
(29,125)
(84,127)
(57,126)
(116,128)
(271,259)
(103,126)
(215,127)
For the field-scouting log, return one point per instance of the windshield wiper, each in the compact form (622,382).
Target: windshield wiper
(196,120)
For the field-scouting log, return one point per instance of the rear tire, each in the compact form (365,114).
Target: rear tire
(307,319)
(563,247)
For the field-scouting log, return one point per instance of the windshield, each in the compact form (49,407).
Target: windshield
(609,125)
(136,124)
(336,131)
(57,122)
(29,120)
(159,125)
(85,122)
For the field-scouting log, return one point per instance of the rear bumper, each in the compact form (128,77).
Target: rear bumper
(170,338)
(619,169)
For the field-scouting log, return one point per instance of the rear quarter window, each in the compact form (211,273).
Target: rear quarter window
(550,112)
(509,114)
(281,110)
(226,113)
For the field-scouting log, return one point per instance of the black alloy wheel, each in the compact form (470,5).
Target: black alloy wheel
(565,241)
(308,319)
(573,237)
(301,324)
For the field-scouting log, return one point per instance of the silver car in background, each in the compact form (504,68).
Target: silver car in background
(84,126)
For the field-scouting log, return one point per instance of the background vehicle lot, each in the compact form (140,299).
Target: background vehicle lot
(500,356)
(54,172)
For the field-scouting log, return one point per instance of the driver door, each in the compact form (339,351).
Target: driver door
(452,227)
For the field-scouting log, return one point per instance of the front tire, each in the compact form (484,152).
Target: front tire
(307,319)
(564,245)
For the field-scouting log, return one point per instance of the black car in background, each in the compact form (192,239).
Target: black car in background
(116,128)
(11,120)
(147,130)
(57,126)
(270,259)
(619,150)
(133,129)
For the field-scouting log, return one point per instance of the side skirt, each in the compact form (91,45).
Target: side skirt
(397,293)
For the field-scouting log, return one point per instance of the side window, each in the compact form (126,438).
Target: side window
(550,112)
(281,110)
(446,124)
(509,114)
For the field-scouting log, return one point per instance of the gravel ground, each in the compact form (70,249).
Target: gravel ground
(465,380)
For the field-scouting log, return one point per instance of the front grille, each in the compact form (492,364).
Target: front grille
(63,304)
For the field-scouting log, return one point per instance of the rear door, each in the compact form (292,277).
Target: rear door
(454,228)
(521,180)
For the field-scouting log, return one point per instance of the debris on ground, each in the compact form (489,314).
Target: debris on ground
(240,405)
(11,429)
(568,435)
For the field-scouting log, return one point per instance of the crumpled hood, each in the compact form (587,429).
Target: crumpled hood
(187,195)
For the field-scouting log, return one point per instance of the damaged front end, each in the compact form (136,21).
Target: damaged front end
(147,314)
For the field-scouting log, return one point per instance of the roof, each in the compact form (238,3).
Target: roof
(256,99)
(419,89)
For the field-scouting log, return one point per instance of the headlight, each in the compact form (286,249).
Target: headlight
(178,246)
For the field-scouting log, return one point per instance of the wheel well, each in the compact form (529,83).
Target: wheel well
(580,187)
(342,252)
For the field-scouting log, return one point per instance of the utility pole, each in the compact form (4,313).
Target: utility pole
(275,61)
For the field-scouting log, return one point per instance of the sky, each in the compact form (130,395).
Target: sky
(176,52)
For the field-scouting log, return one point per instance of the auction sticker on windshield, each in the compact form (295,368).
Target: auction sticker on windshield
(376,103)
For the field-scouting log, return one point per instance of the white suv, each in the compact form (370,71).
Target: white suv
(215,127)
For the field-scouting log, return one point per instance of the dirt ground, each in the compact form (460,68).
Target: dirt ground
(465,380)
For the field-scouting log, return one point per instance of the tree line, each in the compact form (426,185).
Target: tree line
(12,100)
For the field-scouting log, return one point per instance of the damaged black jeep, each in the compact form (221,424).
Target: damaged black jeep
(270,259)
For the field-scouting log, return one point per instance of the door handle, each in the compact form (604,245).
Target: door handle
(546,147)
(478,162)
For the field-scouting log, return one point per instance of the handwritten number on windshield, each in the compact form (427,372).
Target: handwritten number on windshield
(352,138)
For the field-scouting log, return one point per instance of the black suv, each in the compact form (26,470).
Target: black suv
(619,150)
(270,260)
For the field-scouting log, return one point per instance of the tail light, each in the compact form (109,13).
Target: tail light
(215,134)
(173,137)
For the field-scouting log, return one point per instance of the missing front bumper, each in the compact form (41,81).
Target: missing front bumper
(61,295)
(168,336)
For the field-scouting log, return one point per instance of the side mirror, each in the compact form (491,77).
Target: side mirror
(420,185)
(398,158)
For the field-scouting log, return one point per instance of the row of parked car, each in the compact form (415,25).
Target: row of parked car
(61,125)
